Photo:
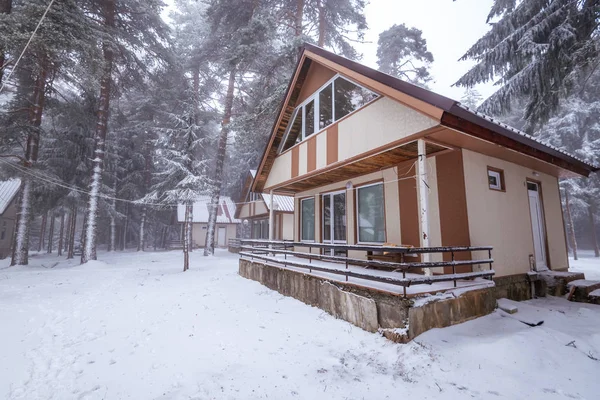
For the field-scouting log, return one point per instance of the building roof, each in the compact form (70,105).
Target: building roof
(8,191)
(281,203)
(453,115)
(200,211)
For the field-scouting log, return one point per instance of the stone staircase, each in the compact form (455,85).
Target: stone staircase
(573,285)
(584,291)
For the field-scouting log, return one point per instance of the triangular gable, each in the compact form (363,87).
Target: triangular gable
(448,112)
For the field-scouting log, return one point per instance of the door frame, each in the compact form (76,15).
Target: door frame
(543,211)
(332,217)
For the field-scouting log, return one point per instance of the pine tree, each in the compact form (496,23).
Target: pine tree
(5,9)
(119,17)
(402,52)
(538,49)
(471,99)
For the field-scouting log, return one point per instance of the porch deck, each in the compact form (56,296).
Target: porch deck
(318,268)
(390,277)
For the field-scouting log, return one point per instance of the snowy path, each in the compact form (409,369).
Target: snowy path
(135,327)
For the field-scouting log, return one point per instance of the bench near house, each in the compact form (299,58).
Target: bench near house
(373,160)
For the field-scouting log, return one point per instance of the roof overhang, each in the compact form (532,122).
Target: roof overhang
(447,111)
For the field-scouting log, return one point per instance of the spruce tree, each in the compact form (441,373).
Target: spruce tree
(537,49)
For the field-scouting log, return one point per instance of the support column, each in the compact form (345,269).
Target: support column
(423,197)
(271,218)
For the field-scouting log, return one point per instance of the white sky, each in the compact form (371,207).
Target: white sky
(450,28)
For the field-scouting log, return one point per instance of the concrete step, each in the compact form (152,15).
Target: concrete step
(594,297)
(557,281)
(581,289)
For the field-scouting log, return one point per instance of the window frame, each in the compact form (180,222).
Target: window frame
(356,189)
(499,173)
(314,225)
(317,111)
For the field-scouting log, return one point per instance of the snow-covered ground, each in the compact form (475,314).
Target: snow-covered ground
(586,263)
(133,326)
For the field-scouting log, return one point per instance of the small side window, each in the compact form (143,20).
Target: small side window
(496,179)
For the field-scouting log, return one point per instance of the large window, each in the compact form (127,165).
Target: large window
(336,99)
(371,214)
(260,229)
(307,219)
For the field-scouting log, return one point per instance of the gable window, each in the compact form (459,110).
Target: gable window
(307,219)
(333,101)
(370,213)
(496,179)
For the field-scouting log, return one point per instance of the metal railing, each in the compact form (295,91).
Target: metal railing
(265,250)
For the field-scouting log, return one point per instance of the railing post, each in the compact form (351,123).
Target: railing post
(490,257)
(453,269)
(309,255)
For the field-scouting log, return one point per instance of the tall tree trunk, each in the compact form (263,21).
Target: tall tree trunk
(209,246)
(142,241)
(67,233)
(89,250)
(571,226)
(61,235)
(163,240)
(299,17)
(43,232)
(5,8)
(125,228)
(72,229)
(322,30)
(591,213)
(24,216)
(186,237)
(112,234)
(51,233)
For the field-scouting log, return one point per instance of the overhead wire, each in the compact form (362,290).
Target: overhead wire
(26,45)
(55,181)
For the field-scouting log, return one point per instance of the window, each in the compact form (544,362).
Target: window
(254,196)
(307,219)
(336,99)
(326,106)
(496,179)
(3,234)
(260,229)
(371,214)
(349,97)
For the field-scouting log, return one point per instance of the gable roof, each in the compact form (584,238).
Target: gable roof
(8,191)
(450,113)
(281,203)
(200,211)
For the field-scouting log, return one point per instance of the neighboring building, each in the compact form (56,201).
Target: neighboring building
(348,142)
(8,214)
(225,229)
(254,208)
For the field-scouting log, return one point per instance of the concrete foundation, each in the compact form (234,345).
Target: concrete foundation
(518,287)
(397,318)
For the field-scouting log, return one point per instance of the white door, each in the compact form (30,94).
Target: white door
(222,233)
(334,218)
(537,225)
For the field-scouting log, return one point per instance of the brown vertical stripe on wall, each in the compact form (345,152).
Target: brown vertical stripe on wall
(295,161)
(409,207)
(311,150)
(454,220)
(332,144)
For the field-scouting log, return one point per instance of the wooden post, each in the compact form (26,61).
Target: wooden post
(423,197)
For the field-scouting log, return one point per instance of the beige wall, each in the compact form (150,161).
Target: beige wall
(502,219)
(199,233)
(254,208)
(281,170)
(288,226)
(382,122)
(379,123)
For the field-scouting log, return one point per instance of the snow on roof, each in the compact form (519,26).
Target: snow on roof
(200,211)
(284,203)
(519,132)
(253,173)
(8,190)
